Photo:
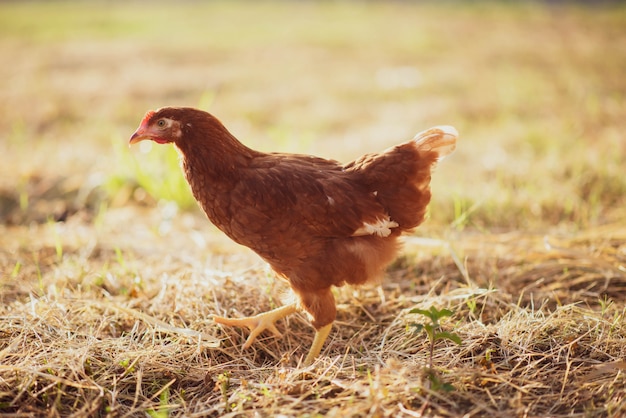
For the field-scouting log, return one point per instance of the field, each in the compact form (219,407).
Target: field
(110,274)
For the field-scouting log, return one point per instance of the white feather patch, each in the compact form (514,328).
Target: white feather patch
(382,228)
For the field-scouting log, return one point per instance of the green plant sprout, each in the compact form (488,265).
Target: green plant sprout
(224,384)
(162,411)
(434,333)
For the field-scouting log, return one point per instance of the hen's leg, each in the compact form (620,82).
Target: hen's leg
(320,337)
(259,323)
(321,305)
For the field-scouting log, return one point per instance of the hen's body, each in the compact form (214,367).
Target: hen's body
(316,222)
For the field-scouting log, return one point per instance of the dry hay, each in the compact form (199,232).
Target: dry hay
(100,328)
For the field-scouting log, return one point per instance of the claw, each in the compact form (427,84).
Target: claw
(258,323)
(265,321)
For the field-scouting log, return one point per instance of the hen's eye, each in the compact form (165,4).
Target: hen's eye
(161,123)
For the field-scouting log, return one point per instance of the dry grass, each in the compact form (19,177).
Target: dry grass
(107,289)
(542,329)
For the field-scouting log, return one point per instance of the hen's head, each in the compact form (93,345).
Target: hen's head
(173,125)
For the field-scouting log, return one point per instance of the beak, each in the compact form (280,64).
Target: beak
(138,136)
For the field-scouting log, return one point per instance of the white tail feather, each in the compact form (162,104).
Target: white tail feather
(440,139)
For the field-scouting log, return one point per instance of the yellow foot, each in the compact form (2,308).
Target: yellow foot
(259,323)
(320,336)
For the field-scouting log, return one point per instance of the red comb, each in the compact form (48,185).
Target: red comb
(147,117)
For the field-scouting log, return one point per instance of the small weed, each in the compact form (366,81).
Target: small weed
(223,381)
(16,269)
(432,329)
(162,411)
(434,333)
(437,384)
(471,305)
(605,304)
(128,366)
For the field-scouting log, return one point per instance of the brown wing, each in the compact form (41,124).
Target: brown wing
(294,194)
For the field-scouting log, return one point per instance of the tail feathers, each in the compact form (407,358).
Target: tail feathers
(439,139)
(399,178)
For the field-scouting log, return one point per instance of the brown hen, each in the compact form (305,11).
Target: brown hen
(317,222)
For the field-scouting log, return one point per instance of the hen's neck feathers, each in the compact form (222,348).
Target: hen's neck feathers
(212,160)
(208,149)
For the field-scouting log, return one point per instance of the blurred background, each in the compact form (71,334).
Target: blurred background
(536,89)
